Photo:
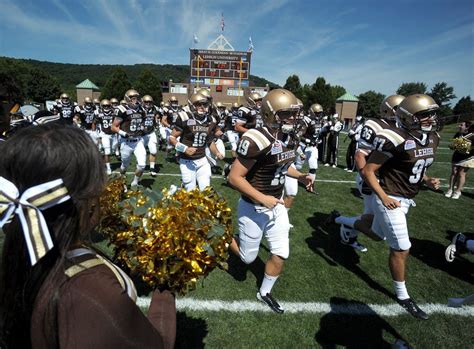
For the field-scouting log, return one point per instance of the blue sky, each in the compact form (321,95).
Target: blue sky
(361,45)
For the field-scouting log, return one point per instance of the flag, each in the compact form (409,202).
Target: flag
(222,22)
(250,44)
(195,39)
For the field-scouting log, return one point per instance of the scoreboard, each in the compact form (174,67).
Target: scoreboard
(220,67)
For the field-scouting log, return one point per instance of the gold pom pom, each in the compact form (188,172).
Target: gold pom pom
(461,145)
(173,239)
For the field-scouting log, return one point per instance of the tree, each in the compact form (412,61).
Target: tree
(369,104)
(13,78)
(442,94)
(337,91)
(320,92)
(148,84)
(464,106)
(293,84)
(41,87)
(410,88)
(116,85)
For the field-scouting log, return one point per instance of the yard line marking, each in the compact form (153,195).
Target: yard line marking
(317,180)
(310,307)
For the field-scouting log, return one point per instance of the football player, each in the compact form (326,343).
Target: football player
(354,136)
(350,226)
(264,156)
(149,135)
(248,116)
(335,127)
(86,115)
(65,109)
(129,125)
(308,135)
(171,111)
(104,119)
(195,131)
(401,157)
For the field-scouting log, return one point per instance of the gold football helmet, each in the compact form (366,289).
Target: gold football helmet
(198,100)
(87,101)
(114,101)
(417,112)
(123,102)
(132,94)
(279,110)
(253,98)
(174,102)
(389,106)
(96,101)
(205,92)
(147,101)
(105,105)
(64,98)
(235,106)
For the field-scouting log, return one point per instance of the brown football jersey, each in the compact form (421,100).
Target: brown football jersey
(132,120)
(105,119)
(195,133)
(248,117)
(404,160)
(272,159)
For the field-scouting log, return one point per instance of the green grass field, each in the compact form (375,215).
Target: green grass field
(322,272)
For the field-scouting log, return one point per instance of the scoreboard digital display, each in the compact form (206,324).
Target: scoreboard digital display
(214,64)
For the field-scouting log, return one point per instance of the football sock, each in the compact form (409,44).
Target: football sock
(401,290)
(107,164)
(152,166)
(349,221)
(470,245)
(267,284)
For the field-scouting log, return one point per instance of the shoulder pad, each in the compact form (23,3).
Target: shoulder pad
(122,109)
(245,110)
(258,138)
(183,115)
(392,136)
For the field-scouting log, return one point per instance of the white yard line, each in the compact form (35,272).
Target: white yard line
(317,180)
(310,307)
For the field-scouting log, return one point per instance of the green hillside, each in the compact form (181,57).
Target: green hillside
(69,75)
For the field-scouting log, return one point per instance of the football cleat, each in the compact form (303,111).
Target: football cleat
(271,302)
(348,239)
(153,173)
(332,217)
(455,247)
(134,183)
(410,306)
(326,164)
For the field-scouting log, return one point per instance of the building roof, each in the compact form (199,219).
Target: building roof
(348,98)
(87,84)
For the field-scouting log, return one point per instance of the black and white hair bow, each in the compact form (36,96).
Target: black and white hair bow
(28,207)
